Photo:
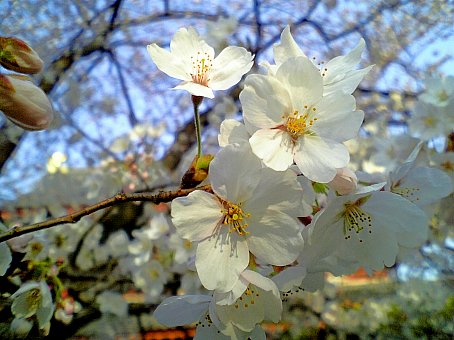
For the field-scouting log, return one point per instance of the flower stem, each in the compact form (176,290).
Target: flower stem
(196,100)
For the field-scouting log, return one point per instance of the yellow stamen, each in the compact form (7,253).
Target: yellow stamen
(234,216)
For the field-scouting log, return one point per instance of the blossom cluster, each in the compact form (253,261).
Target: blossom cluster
(251,245)
(433,114)
(284,204)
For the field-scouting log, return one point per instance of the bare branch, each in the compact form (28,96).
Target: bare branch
(161,197)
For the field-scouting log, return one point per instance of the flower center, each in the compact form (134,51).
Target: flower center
(33,298)
(410,194)
(442,95)
(299,124)
(201,65)
(355,219)
(429,121)
(248,298)
(234,216)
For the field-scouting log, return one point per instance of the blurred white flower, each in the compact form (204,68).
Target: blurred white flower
(439,90)
(113,303)
(33,298)
(150,277)
(21,327)
(429,121)
(217,32)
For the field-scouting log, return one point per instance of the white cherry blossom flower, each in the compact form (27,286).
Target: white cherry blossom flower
(290,120)
(183,249)
(150,277)
(367,229)
(112,303)
(339,73)
(428,121)
(252,209)
(192,60)
(33,298)
(439,90)
(420,185)
(445,162)
(253,299)
(235,314)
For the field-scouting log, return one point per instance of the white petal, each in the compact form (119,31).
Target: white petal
(221,259)
(182,310)
(303,81)
(270,69)
(274,147)
(349,83)
(407,221)
(264,101)
(229,66)
(424,185)
(313,281)
(234,173)
(336,119)
(231,132)
(274,238)
(318,158)
(26,287)
(5,258)
(167,63)
(342,64)
(195,89)
(46,309)
(21,307)
(287,47)
(230,297)
(260,281)
(209,332)
(196,216)
(186,43)
(278,190)
(289,278)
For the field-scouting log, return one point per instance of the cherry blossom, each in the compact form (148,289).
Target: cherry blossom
(290,120)
(338,74)
(192,60)
(33,298)
(252,209)
(366,229)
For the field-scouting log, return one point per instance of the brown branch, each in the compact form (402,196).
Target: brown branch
(161,197)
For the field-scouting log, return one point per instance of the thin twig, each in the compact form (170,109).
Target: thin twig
(161,197)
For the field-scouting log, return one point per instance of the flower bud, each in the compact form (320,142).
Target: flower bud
(17,56)
(25,104)
(345,181)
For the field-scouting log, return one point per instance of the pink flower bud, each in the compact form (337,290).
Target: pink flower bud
(17,56)
(345,181)
(25,104)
